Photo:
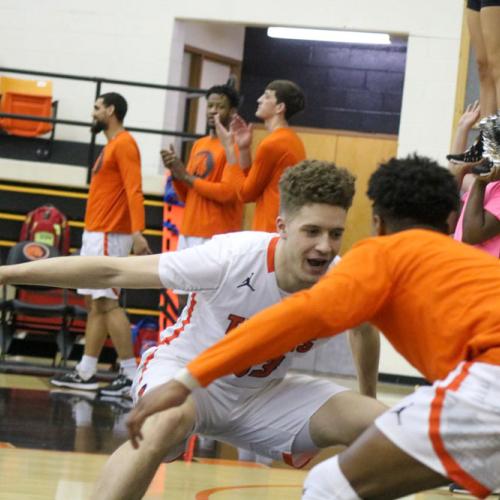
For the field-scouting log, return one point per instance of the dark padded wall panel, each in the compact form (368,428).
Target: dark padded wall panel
(348,87)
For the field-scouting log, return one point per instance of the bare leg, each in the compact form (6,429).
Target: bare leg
(487,95)
(95,328)
(111,318)
(128,472)
(490,25)
(376,468)
(343,418)
(118,326)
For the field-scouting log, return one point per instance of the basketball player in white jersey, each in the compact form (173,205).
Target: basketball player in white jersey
(231,278)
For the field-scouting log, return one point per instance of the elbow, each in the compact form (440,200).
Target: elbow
(472,237)
(247,196)
(110,274)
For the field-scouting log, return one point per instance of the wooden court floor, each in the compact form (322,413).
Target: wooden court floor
(54,443)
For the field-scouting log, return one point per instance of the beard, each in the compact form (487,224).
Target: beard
(98,126)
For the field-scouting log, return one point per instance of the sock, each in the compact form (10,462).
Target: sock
(82,413)
(129,367)
(246,455)
(87,367)
(326,480)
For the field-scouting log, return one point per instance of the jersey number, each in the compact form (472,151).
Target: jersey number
(267,368)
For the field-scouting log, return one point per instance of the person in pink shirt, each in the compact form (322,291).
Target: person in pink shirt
(479,221)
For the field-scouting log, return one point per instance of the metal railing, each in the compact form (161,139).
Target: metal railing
(99,81)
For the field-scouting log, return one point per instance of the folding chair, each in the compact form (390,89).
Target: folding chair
(37,310)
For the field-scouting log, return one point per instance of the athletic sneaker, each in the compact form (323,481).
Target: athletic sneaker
(74,381)
(120,386)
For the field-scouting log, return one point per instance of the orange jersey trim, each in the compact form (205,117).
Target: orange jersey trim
(178,331)
(271,254)
(452,467)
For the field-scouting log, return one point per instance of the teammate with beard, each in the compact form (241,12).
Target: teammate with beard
(114,220)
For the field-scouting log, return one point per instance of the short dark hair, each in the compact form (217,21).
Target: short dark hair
(413,191)
(315,181)
(230,92)
(290,94)
(116,100)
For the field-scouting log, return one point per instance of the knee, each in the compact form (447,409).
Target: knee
(483,69)
(165,430)
(494,64)
(327,481)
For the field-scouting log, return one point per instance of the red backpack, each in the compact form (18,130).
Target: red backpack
(46,224)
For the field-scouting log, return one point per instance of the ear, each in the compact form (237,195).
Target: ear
(281,226)
(110,110)
(378,224)
(281,108)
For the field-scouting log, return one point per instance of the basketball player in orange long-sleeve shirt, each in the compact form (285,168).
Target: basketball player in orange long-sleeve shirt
(281,149)
(114,219)
(436,300)
(211,204)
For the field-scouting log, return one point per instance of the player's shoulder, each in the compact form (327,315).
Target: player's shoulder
(280,139)
(125,141)
(244,242)
(125,137)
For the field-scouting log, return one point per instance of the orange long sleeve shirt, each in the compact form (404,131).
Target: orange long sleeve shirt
(436,300)
(281,149)
(116,203)
(211,204)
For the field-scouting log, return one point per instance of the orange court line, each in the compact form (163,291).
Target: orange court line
(205,494)
(231,463)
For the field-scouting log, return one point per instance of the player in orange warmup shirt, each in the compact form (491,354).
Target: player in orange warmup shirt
(114,221)
(257,179)
(436,300)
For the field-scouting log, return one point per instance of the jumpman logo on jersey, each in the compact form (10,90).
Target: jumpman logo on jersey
(399,411)
(246,282)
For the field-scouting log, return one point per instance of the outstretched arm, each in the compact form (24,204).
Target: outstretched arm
(482,222)
(459,144)
(365,346)
(86,272)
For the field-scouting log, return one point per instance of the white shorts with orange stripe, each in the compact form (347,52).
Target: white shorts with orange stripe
(97,244)
(453,427)
(265,420)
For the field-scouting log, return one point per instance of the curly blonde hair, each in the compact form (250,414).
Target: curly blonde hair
(315,181)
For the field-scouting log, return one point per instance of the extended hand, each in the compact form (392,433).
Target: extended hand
(140,245)
(492,176)
(224,135)
(460,168)
(470,116)
(170,160)
(242,132)
(160,398)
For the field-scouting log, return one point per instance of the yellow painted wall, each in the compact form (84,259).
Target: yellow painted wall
(359,153)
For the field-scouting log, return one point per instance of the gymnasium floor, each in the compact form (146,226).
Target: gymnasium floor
(44,454)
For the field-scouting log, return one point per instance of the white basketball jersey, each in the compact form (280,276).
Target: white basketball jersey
(231,277)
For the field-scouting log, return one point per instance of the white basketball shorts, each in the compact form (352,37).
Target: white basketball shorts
(453,427)
(265,420)
(96,244)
